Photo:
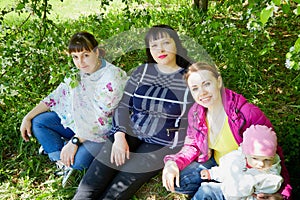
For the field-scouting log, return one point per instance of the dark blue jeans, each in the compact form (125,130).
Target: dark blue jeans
(105,181)
(52,135)
(190,178)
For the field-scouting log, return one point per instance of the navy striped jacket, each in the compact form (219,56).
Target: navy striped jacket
(154,106)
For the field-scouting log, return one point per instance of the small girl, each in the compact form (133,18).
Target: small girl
(252,169)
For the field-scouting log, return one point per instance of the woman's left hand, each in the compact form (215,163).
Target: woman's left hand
(119,150)
(68,153)
(275,196)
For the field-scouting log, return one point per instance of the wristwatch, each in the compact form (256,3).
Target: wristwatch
(75,140)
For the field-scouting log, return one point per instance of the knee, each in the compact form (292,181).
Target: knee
(35,125)
(38,120)
(202,193)
(44,117)
(37,128)
(191,178)
(42,120)
(208,190)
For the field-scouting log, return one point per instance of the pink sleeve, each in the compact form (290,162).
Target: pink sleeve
(286,188)
(190,151)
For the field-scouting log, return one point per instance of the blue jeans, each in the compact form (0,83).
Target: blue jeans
(190,179)
(209,191)
(52,135)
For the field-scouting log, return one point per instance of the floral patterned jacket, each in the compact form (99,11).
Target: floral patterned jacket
(87,108)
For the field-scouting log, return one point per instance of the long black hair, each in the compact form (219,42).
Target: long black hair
(159,31)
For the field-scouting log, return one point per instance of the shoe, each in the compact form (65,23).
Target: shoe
(71,177)
(67,174)
(60,168)
(42,151)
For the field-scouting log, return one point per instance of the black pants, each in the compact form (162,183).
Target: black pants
(104,180)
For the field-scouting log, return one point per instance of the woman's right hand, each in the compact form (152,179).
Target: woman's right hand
(120,149)
(26,128)
(170,172)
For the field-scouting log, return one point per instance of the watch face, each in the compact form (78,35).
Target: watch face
(75,140)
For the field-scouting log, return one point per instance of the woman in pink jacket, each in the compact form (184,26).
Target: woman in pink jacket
(216,123)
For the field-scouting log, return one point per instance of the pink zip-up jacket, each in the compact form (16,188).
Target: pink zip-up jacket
(241,115)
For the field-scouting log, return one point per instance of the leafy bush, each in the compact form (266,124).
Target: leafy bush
(251,57)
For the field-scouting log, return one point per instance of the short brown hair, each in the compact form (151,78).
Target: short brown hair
(84,41)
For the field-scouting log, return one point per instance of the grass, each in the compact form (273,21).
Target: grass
(251,62)
(61,11)
(69,9)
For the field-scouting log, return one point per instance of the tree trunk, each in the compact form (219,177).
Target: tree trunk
(201,4)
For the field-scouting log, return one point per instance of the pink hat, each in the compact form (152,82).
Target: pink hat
(259,140)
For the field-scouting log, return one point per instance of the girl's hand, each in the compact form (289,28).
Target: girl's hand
(120,149)
(170,172)
(68,153)
(205,174)
(26,129)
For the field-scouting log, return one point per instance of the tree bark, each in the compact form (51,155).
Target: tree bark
(201,4)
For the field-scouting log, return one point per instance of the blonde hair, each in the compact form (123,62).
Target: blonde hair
(198,66)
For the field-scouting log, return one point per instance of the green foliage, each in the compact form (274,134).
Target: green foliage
(265,14)
(250,53)
(287,7)
(293,56)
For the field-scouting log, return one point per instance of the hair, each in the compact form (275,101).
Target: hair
(84,41)
(159,31)
(198,66)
